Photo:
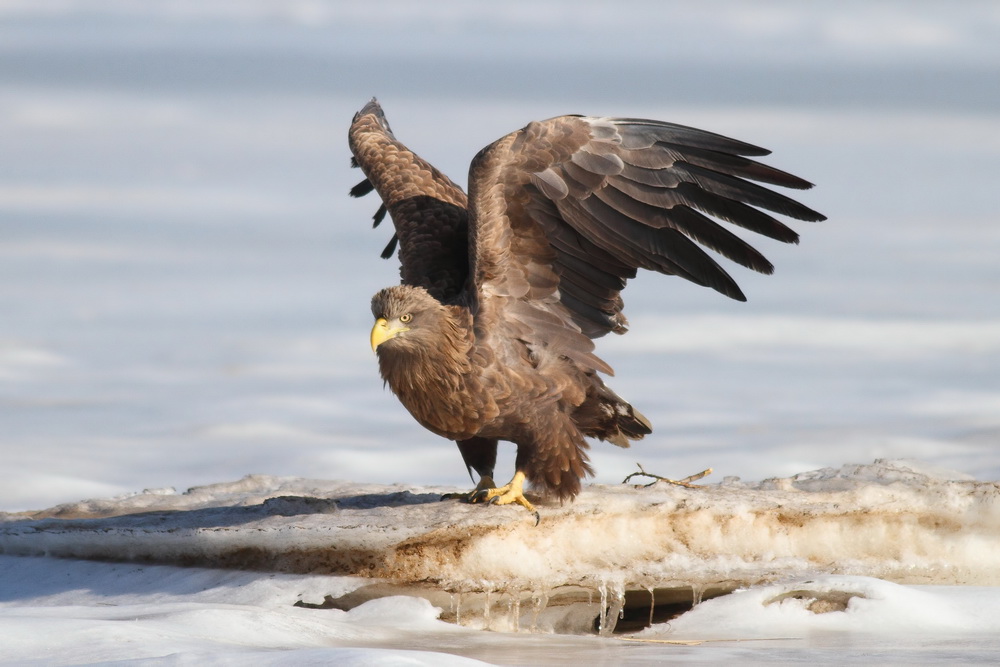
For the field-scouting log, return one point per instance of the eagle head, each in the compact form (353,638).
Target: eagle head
(406,315)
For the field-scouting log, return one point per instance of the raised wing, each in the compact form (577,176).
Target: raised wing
(566,210)
(427,209)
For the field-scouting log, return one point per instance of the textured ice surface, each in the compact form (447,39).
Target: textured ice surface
(894,520)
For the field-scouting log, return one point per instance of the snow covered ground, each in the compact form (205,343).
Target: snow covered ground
(891,519)
(184,292)
(802,555)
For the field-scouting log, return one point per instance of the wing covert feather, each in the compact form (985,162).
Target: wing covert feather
(429,212)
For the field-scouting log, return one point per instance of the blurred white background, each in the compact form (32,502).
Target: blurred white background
(184,282)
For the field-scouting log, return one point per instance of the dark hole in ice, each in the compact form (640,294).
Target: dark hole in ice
(643,608)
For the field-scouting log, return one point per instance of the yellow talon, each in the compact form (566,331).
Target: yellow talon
(512,492)
(487,492)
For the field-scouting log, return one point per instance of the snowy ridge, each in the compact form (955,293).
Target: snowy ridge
(892,520)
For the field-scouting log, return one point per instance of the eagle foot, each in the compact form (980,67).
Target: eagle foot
(510,493)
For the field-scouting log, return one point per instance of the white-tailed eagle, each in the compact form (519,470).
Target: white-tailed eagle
(489,335)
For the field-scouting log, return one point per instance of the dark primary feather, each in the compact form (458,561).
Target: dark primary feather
(379,216)
(362,188)
(390,247)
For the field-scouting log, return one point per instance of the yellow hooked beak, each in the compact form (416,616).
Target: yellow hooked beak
(383,331)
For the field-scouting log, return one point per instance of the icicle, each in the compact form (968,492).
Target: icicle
(602,619)
(652,605)
(486,611)
(541,602)
(515,607)
(615,609)
(697,591)
(457,603)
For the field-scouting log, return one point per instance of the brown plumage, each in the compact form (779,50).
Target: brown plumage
(489,336)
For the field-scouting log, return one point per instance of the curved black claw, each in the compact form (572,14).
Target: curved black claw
(478,494)
(495,500)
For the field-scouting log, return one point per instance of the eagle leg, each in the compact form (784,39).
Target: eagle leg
(485,484)
(479,454)
(512,492)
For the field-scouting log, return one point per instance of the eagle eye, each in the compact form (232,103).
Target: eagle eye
(405,318)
